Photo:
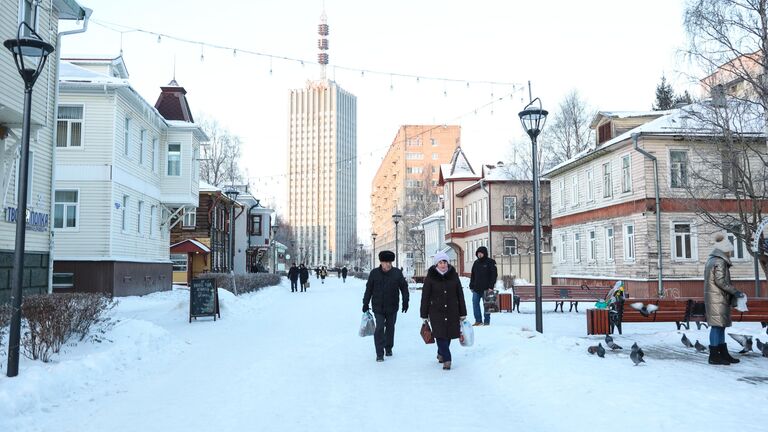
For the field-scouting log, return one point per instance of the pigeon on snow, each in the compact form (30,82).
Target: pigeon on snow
(699,347)
(600,350)
(637,354)
(592,349)
(611,344)
(645,310)
(686,341)
(763,348)
(743,340)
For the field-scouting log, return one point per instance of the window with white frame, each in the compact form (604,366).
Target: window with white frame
(467,253)
(607,180)
(576,247)
(592,245)
(155,151)
(735,234)
(609,243)
(459,217)
(190,218)
(629,242)
(561,189)
(124,214)
(433,141)
(127,137)
(682,241)
(152,220)
(510,246)
(590,185)
(65,209)
(476,217)
(435,156)
(575,190)
(69,126)
(140,217)
(678,166)
(626,174)
(142,145)
(562,248)
(510,207)
(485,209)
(174,159)
(179,262)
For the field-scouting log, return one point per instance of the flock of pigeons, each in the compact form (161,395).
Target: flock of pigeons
(637,353)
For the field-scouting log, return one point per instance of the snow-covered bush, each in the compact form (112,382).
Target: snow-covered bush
(5,318)
(51,320)
(247,282)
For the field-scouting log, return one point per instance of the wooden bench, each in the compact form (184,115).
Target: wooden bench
(681,311)
(559,294)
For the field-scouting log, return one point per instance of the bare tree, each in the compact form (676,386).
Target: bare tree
(520,164)
(568,132)
(422,200)
(220,157)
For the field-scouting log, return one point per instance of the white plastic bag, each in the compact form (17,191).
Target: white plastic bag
(367,325)
(467,336)
(741,304)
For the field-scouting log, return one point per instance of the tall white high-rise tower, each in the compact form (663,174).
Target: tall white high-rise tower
(322,167)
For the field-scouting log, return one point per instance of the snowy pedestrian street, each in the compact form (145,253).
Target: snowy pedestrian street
(282,361)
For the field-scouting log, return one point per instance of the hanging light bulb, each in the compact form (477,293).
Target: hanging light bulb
(234,53)
(417,80)
(467,84)
(362,74)
(202,54)
(159,39)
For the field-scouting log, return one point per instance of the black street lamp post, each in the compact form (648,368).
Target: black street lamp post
(30,54)
(232,194)
(373,253)
(533,119)
(396,217)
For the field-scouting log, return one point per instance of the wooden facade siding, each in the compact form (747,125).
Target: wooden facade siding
(98,129)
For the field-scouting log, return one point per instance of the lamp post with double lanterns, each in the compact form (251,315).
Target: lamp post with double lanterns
(396,217)
(30,54)
(232,194)
(373,252)
(273,230)
(533,118)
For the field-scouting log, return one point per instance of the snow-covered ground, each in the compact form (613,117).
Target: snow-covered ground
(282,361)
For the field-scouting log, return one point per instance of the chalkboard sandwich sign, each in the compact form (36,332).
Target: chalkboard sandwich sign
(203,299)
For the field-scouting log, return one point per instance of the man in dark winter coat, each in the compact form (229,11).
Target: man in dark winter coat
(482,281)
(383,289)
(293,275)
(344,272)
(303,277)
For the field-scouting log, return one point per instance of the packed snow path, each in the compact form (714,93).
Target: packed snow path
(282,361)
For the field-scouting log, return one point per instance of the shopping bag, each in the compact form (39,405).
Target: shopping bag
(367,325)
(426,333)
(307,284)
(467,335)
(741,304)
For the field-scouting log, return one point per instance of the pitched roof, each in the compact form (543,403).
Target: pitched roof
(458,168)
(172,103)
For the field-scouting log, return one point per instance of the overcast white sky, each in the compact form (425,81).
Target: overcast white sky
(612,51)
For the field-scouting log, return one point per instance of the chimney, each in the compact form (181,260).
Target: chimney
(172,103)
(718,96)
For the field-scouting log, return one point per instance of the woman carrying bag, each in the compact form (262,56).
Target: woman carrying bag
(442,304)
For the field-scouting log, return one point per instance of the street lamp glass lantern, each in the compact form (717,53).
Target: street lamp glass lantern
(29,53)
(533,118)
(232,194)
(396,217)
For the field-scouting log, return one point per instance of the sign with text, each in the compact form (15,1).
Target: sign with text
(203,299)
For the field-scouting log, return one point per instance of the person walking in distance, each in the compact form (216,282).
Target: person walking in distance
(719,296)
(323,274)
(383,289)
(344,272)
(303,277)
(442,304)
(482,281)
(293,275)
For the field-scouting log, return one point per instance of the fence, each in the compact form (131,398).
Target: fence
(522,266)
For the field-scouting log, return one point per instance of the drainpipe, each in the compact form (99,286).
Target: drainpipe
(51,242)
(635,136)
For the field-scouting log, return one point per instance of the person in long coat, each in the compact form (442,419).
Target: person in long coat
(442,304)
(303,277)
(719,296)
(383,290)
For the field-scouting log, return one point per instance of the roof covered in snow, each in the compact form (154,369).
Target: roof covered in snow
(207,187)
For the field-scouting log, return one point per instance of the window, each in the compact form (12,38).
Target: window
(140,217)
(604,133)
(563,246)
(626,174)
(576,247)
(682,241)
(678,168)
(63,280)
(476,216)
(458,218)
(739,245)
(152,220)
(153,156)
(629,242)
(609,243)
(65,209)
(607,183)
(174,159)
(561,189)
(733,170)
(142,139)
(124,214)
(435,156)
(433,141)
(179,262)
(592,245)
(414,156)
(69,127)
(510,207)
(510,246)
(127,137)
(590,186)
(575,190)
(484,210)
(190,218)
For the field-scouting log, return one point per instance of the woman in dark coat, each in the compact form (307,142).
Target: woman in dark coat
(303,277)
(719,294)
(442,303)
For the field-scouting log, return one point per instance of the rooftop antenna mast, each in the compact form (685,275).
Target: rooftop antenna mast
(322,44)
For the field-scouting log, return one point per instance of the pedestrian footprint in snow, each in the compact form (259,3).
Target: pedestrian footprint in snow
(611,344)
(686,341)
(637,354)
(699,347)
(743,340)
(645,310)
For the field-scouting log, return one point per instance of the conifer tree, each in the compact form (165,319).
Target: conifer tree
(665,96)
